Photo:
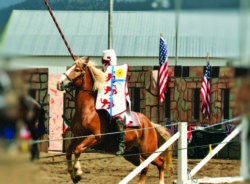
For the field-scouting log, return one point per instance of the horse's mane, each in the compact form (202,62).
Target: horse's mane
(97,74)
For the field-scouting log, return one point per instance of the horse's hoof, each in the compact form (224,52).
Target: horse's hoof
(78,173)
(77,179)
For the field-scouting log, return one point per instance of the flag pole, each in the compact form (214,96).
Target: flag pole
(110,25)
(177,13)
(207,57)
(159,93)
(210,85)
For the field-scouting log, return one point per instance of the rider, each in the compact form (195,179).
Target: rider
(109,58)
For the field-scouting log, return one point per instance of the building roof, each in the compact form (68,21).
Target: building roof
(135,34)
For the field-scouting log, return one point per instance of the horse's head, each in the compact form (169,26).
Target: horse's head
(82,75)
(73,77)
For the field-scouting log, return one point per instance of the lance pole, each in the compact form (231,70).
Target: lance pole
(59,29)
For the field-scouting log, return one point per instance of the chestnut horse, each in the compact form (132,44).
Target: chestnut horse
(87,79)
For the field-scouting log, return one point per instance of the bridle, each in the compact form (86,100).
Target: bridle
(73,80)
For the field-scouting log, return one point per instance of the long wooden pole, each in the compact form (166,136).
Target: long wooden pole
(59,29)
(110,25)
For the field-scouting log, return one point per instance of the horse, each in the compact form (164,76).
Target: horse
(24,108)
(86,79)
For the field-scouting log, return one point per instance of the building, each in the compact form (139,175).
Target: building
(31,40)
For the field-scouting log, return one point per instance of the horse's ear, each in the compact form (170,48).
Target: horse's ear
(87,60)
(77,58)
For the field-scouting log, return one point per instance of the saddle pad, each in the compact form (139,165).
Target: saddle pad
(136,122)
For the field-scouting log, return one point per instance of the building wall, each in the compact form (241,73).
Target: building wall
(180,89)
(33,82)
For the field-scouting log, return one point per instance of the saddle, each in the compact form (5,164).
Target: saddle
(135,123)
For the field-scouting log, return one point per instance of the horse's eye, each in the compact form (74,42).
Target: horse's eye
(77,70)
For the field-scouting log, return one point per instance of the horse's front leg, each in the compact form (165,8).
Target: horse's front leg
(84,145)
(69,151)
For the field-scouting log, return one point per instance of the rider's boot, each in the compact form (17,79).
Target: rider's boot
(120,136)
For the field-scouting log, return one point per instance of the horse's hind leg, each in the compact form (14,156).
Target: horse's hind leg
(137,160)
(159,163)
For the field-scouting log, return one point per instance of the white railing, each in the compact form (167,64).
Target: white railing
(245,160)
(216,150)
(183,177)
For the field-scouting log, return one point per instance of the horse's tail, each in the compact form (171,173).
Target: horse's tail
(41,121)
(163,136)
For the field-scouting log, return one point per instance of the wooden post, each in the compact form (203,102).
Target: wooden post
(53,159)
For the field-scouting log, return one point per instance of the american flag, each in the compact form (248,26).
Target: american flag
(163,74)
(205,92)
(170,128)
(229,129)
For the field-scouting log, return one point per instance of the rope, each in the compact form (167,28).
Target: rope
(126,155)
(85,136)
(59,29)
(227,121)
(110,133)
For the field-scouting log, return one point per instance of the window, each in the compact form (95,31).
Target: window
(239,72)
(195,104)
(177,71)
(225,104)
(185,71)
(166,106)
(215,72)
(135,99)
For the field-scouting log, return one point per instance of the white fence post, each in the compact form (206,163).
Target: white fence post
(182,154)
(245,149)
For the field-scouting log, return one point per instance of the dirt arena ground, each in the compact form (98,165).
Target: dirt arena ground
(97,169)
